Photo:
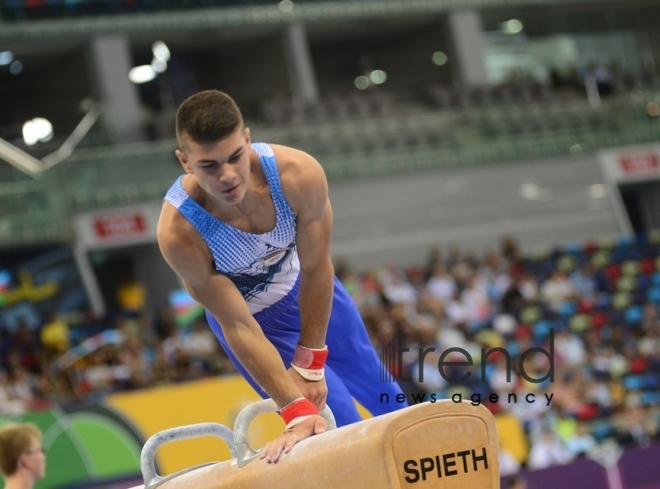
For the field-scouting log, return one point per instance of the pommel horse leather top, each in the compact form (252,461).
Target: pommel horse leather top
(443,445)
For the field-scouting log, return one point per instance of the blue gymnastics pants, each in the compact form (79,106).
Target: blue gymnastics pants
(353,370)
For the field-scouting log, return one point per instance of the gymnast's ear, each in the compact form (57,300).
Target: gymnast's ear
(21,461)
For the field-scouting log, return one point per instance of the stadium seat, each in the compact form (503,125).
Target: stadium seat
(574,249)
(612,272)
(567,309)
(542,329)
(626,283)
(602,429)
(530,314)
(634,382)
(566,263)
(621,300)
(647,266)
(630,267)
(580,323)
(650,398)
(600,258)
(634,314)
(653,236)
(599,320)
(653,295)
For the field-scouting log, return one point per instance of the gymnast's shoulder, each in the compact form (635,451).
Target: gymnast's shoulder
(181,246)
(301,175)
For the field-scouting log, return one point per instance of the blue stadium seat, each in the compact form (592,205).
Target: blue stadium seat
(513,347)
(542,329)
(644,282)
(634,314)
(650,398)
(567,309)
(653,295)
(574,248)
(602,429)
(634,382)
(653,381)
(625,242)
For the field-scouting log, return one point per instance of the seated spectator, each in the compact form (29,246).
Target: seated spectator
(570,349)
(55,335)
(580,443)
(584,281)
(637,429)
(508,463)
(131,296)
(513,300)
(22,458)
(441,285)
(547,450)
(557,290)
(397,289)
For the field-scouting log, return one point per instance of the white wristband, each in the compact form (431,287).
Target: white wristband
(308,374)
(297,420)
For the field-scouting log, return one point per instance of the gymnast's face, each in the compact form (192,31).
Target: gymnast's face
(221,168)
(34,459)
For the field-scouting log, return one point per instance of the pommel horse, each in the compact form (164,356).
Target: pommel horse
(442,445)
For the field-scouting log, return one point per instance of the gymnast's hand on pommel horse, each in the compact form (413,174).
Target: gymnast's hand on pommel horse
(247,229)
(311,383)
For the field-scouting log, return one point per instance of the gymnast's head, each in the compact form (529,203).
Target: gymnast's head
(207,117)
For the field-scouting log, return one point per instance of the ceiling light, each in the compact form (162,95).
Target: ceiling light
(530,191)
(439,58)
(362,82)
(37,129)
(378,77)
(16,67)
(158,65)
(597,191)
(161,51)
(576,149)
(513,26)
(6,57)
(142,74)
(286,6)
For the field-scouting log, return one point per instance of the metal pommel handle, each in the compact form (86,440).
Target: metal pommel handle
(245,454)
(148,456)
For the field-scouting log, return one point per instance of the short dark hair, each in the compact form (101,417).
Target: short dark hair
(207,117)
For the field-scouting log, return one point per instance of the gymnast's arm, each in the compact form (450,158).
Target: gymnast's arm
(306,189)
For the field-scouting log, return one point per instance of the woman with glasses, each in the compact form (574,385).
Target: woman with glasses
(22,459)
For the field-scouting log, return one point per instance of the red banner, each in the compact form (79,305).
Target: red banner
(640,163)
(126,225)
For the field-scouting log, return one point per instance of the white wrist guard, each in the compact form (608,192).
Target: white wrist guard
(309,362)
(309,374)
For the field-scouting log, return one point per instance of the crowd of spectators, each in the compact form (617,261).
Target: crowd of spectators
(79,358)
(595,308)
